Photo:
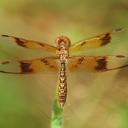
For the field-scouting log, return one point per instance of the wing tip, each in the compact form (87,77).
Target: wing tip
(10,72)
(5,35)
(120,56)
(5,62)
(121,67)
(119,30)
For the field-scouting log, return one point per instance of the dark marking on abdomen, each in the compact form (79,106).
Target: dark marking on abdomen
(62,91)
(62,88)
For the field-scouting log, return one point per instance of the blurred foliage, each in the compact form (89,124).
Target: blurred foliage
(97,100)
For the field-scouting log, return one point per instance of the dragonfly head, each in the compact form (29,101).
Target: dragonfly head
(63,41)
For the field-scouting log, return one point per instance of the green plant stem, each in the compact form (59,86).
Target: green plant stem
(57,115)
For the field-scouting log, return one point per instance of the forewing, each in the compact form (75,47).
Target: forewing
(31,44)
(94,42)
(97,63)
(29,66)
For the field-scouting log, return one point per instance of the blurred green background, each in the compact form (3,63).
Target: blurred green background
(95,100)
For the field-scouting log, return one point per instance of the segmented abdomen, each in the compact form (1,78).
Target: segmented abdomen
(62,88)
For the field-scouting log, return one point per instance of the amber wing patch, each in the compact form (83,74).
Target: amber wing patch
(94,42)
(97,63)
(31,44)
(29,66)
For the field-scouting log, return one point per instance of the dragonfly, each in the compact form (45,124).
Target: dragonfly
(62,61)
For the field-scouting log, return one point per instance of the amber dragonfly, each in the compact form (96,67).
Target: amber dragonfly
(63,61)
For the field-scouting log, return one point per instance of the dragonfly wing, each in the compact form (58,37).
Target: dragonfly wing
(97,63)
(31,44)
(29,66)
(94,42)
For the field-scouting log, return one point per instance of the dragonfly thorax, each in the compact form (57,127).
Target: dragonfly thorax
(63,44)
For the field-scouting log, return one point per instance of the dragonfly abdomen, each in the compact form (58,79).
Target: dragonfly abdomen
(62,88)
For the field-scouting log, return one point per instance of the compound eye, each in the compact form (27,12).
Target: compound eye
(63,40)
(58,41)
(67,41)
